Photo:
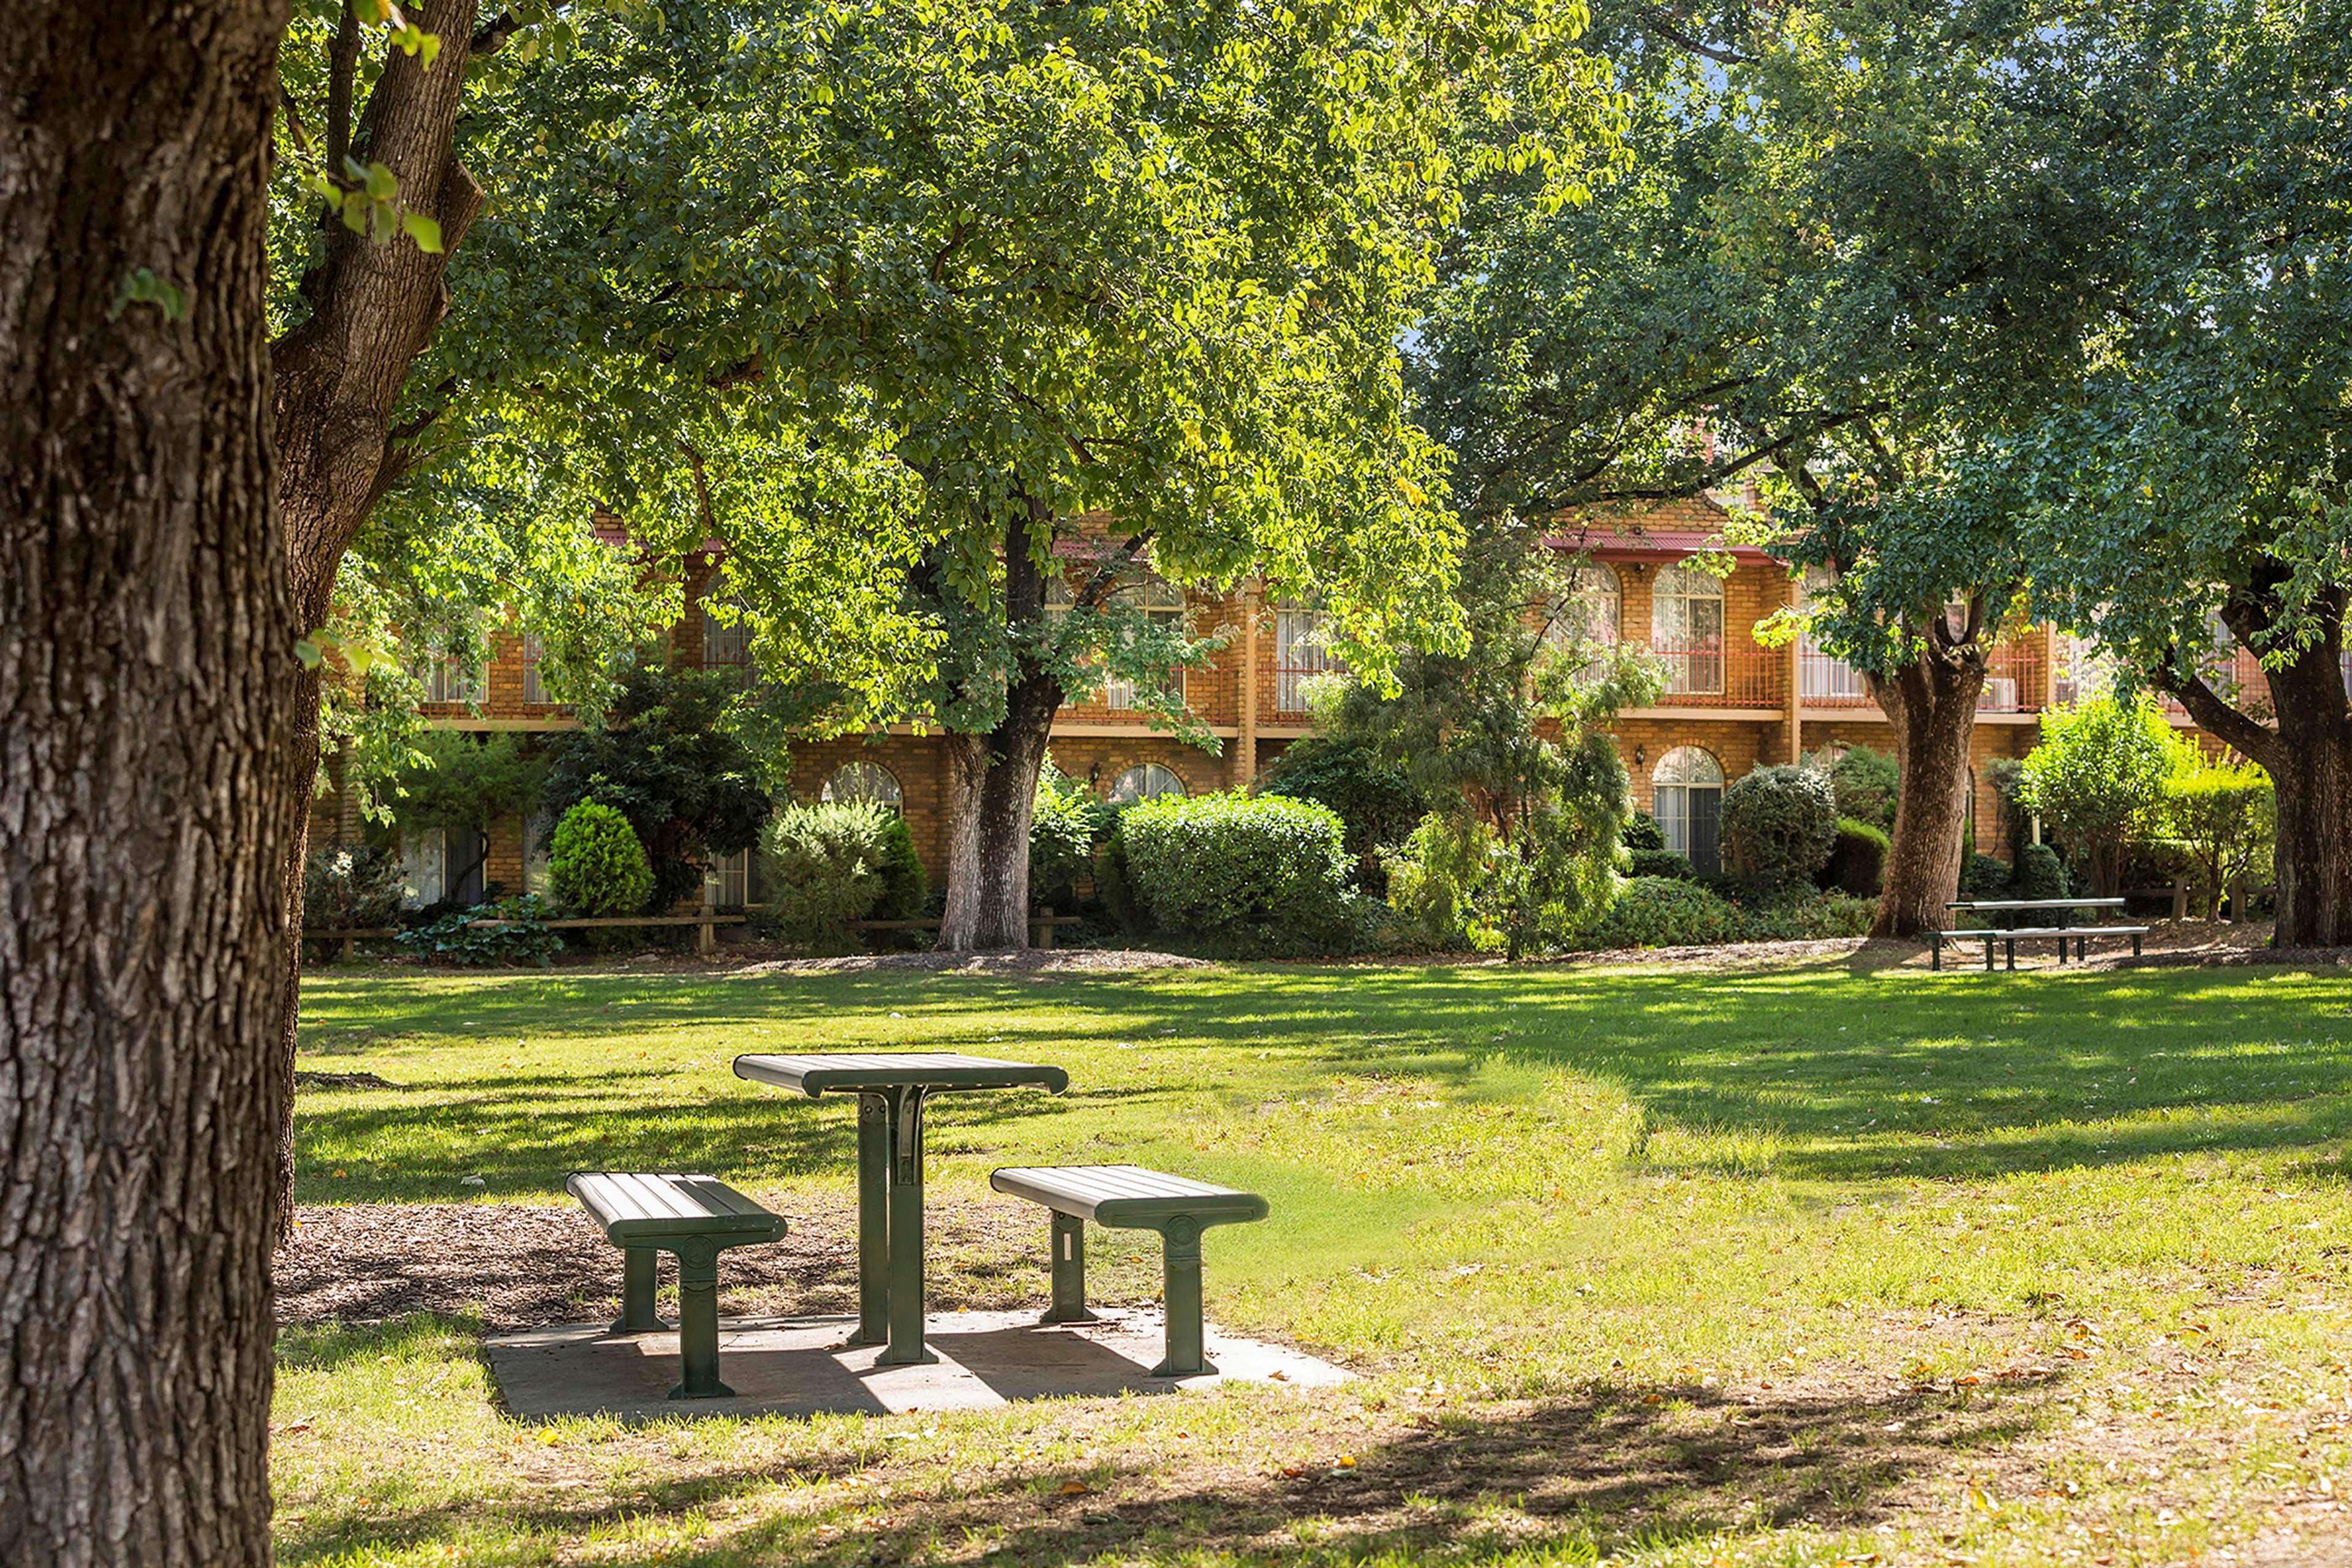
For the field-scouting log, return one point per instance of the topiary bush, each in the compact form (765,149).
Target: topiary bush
(1642,831)
(827,866)
(1983,876)
(2039,874)
(1068,822)
(596,864)
(1780,822)
(1664,911)
(1660,863)
(1251,874)
(1857,862)
(1866,783)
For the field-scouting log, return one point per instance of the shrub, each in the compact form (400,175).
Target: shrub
(2226,819)
(1254,874)
(1663,911)
(1661,863)
(1865,782)
(1642,832)
(350,886)
(1067,824)
(1807,918)
(596,864)
(2097,780)
(519,935)
(1379,803)
(1983,876)
(2039,874)
(1436,877)
(1857,862)
(1780,822)
(665,753)
(827,866)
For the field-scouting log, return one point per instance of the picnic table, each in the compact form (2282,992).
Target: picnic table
(2009,935)
(892,1088)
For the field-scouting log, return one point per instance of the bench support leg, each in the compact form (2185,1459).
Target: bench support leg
(1935,952)
(1988,955)
(638,1292)
(1069,1242)
(1180,1270)
(2009,956)
(2135,945)
(697,1322)
(873,1220)
(906,1165)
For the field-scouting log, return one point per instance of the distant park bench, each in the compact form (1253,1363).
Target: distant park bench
(2007,936)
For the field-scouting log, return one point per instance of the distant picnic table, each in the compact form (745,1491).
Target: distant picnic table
(2009,933)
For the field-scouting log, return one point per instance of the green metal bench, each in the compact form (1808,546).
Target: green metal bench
(1129,1197)
(693,1218)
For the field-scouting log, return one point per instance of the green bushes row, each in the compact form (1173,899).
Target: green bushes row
(1664,911)
(1253,874)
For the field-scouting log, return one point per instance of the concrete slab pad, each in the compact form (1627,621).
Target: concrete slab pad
(800,1366)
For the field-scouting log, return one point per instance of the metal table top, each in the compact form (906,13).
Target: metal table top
(851,1072)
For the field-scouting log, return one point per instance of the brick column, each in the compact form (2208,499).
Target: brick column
(1244,763)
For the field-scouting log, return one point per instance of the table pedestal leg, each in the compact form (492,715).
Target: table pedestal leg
(906,1346)
(873,1220)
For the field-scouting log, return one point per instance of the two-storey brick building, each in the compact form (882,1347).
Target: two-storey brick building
(1731,703)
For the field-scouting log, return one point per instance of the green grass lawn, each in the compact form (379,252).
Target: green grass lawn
(1804,1264)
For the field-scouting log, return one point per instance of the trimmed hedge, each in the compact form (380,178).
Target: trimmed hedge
(1251,874)
(828,865)
(596,864)
(1857,862)
(1642,831)
(1780,822)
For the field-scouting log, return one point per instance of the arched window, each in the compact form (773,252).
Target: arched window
(1588,609)
(1687,629)
(865,783)
(1687,797)
(1142,782)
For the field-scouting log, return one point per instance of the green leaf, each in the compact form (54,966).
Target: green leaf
(424,230)
(145,288)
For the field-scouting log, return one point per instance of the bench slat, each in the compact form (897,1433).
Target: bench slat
(632,1205)
(1125,1195)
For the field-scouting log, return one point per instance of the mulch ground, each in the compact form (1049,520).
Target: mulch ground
(519,1266)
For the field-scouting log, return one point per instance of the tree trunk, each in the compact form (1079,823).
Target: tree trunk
(339,373)
(2309,755)
(991,796)
(1931,703)
(146,690)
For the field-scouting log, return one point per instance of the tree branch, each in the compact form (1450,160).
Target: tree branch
(2254,741)
(342,64)
(1656,18)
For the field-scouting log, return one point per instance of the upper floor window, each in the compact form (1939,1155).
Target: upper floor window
(726,645)
(1142,782)
(863,782)
(448,678)
(1822,676)
(533,688)
(1162,605)
(1299,656)
(1588,609)
(1687,628)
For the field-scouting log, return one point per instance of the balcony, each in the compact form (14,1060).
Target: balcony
(1825,681)
(1714,673)
(2013,680)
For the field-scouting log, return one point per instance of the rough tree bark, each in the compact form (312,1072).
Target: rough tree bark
(993,777)
(340,371)
(147,796)
(1931,704)
(2307,751)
